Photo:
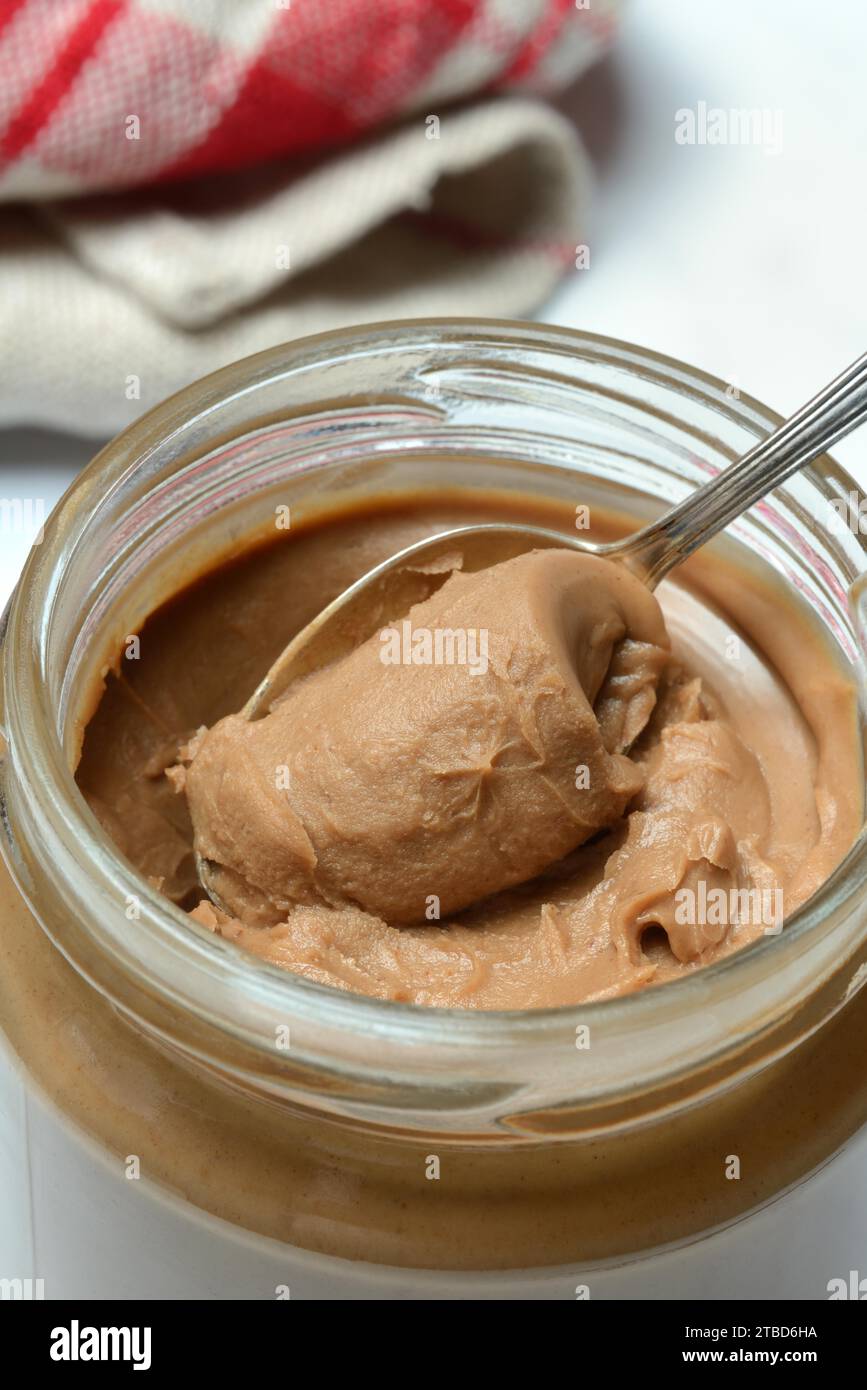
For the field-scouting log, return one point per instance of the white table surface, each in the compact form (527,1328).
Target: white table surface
(747,263)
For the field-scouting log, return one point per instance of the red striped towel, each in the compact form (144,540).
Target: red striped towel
(363,182)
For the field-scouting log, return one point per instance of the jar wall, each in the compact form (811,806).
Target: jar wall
(350,1117)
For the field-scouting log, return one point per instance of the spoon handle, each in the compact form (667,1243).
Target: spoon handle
(830,415)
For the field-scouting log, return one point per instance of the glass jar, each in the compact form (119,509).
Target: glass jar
(162,1138)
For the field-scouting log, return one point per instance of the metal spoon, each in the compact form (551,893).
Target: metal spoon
(388,590)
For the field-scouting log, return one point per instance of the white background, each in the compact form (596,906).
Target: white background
(748,264)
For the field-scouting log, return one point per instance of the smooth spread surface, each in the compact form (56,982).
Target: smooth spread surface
(374,787)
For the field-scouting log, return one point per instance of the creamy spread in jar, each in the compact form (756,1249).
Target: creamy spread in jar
(611,793)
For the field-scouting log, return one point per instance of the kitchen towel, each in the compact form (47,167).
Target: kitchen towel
(185,183)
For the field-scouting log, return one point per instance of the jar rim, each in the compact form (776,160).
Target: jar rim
(36,746)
